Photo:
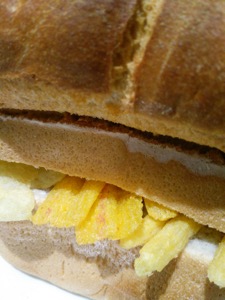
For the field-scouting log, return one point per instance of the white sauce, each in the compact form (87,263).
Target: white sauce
(201,249)
(39,195)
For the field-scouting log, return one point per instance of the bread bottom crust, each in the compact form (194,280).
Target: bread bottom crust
(50,254)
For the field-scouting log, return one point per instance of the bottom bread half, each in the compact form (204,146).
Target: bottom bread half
(103,270)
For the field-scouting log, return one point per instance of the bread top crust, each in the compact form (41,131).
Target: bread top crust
(66,43)
(154,65)
(182,74)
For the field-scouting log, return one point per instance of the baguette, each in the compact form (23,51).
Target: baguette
(129,93)
(123,66)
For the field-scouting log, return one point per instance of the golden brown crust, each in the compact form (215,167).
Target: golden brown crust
(181,79)
(66,43)
(189,183)
(157,65)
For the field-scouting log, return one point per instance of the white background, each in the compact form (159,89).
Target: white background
(17,285)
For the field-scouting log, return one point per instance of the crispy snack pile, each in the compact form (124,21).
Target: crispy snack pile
(100,211)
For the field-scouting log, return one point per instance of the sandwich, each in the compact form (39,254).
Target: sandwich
(112,146)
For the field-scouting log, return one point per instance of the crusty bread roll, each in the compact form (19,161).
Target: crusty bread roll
(129,92)
(155,65)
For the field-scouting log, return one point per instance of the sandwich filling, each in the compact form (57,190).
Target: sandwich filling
(99,211)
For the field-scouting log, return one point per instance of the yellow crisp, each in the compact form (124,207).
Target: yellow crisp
(37,178)
(20,172)
(159,212)
(85,199)
(145,231)
(68,203)
(128,216)
(46,179)
(59,207)
(165,245)
(216,270)
(16,200)
(114,215)
(100,221)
